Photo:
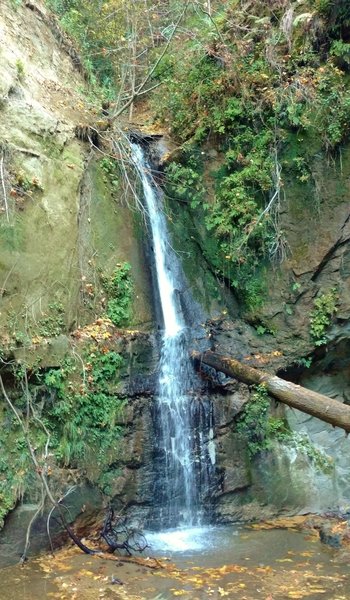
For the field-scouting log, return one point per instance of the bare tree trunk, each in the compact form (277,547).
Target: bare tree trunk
(293,395)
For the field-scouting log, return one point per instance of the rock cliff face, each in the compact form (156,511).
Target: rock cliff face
(61,216)
(64,222)
(315,220)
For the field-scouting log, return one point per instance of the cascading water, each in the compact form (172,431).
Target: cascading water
(184,459)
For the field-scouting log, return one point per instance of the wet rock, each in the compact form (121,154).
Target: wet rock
(234,480)
(330,537)
(82,506)
(228,406)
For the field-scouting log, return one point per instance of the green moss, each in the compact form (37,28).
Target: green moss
(71,156)
(119,287)
(254,423)
(188,238)
(12,236)
(50,147)
(114,235)
(325,307)
(107,480)
(261,430)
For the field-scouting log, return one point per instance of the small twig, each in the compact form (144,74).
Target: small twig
(4,186)
(71,489)
(3,288)
(208,14)
(142,85)
(26,151)
(30,525)
(42,475)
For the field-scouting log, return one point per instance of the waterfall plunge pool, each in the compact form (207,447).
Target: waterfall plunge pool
(188,540)
(237,563)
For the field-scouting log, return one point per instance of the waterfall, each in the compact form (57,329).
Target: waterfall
(183,459)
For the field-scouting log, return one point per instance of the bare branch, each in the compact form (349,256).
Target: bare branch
(3,185)
(42,474)
(209,15)
(30,525)
(142,85)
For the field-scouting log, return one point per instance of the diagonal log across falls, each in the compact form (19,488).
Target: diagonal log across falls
(324,408)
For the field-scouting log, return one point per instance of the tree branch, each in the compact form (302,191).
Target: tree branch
(41,473)
(2,177)
(324,408)
(142,85)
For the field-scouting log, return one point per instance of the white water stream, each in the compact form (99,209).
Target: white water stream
(177,490)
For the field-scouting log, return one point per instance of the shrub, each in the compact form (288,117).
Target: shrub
(321,316)
(119,288)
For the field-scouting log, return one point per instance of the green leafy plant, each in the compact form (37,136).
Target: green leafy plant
(320,460)
(119,288)
(83,416)
(325,307)
(20,69)
(52,324)
(25,185)
(341,50)
(110,169)
(262,430)
(262,329)
(184,183)
(304,362)
(255,425)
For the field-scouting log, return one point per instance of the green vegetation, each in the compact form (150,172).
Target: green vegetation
(262,430)
(267,87)
(77,405)
(23,331)
(116,39)
(24,185)
(304,362)
(111,172)
(16,472)
(80,19)
(325,307)
(52,324)
(20,70)
(84,412)
(249,88)
(262,329)
(119,288)
(185,182)
(256,425)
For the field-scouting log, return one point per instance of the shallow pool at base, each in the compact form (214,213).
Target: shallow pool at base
(183,540)
(237,563)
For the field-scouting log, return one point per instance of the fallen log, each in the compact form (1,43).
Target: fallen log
(324,408)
